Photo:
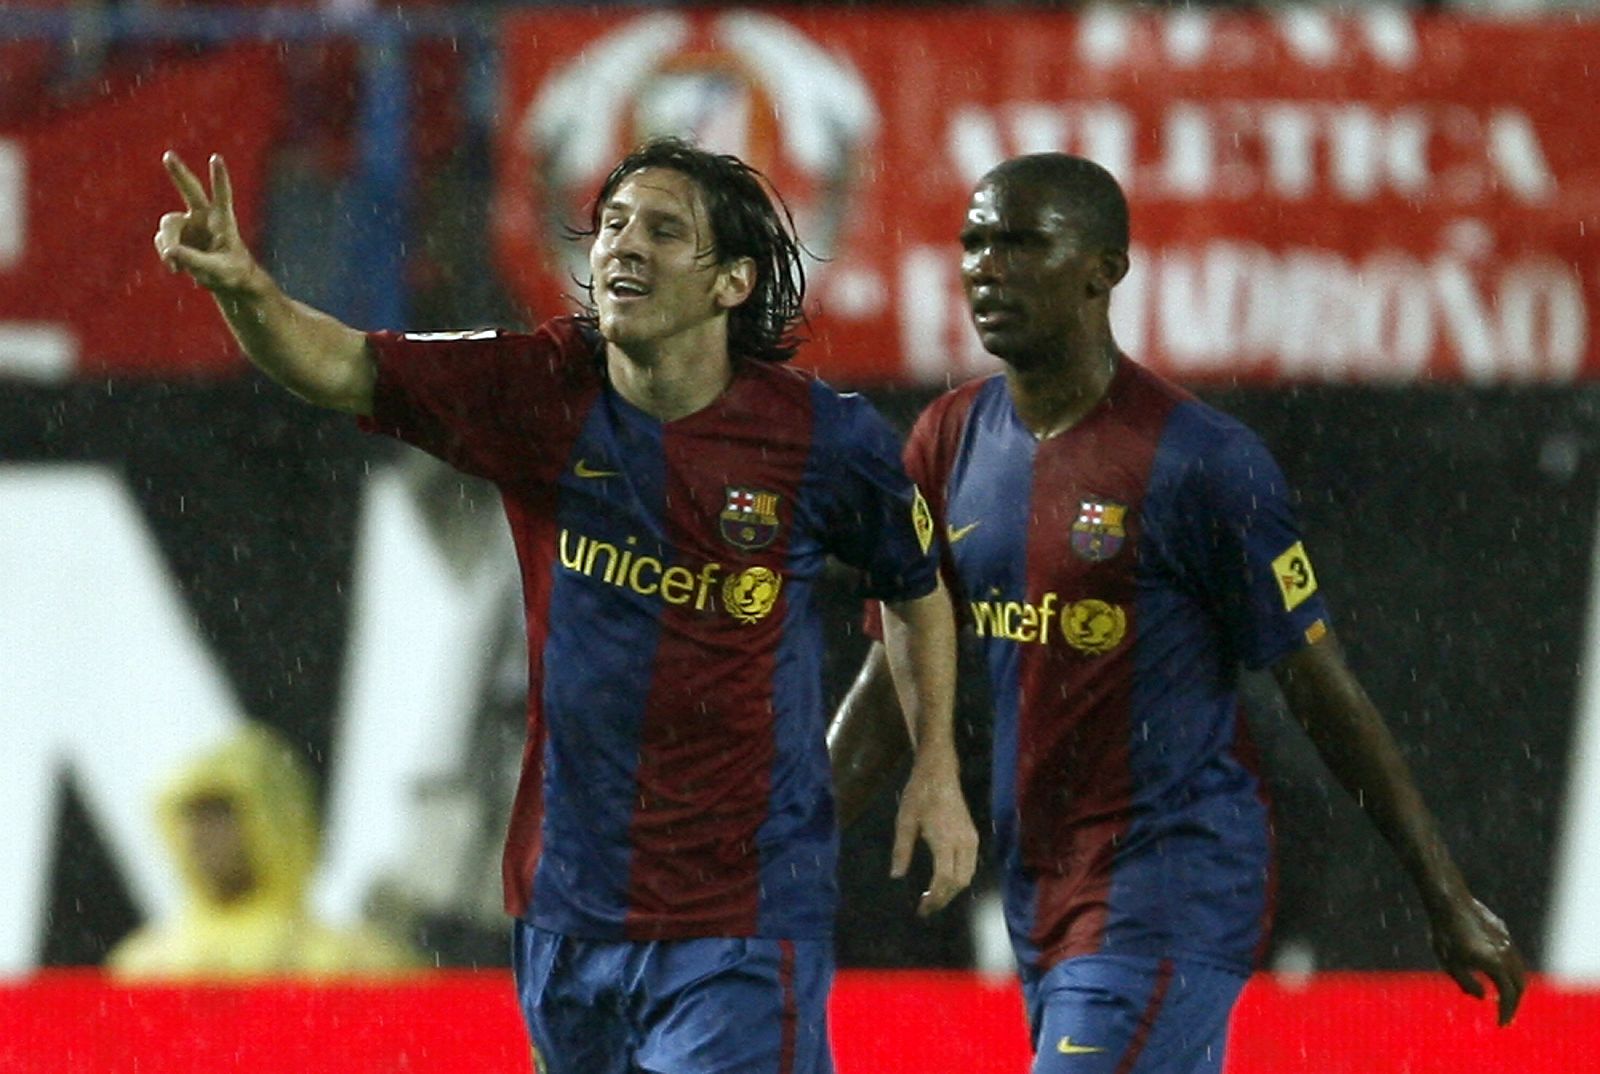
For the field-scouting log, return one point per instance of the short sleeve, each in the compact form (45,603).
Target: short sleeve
(477,400)
(877,519)
(921,457)
(1240,545)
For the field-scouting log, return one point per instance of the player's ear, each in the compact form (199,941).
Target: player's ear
(735,282)
(1109,268)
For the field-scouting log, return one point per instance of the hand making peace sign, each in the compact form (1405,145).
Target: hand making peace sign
(204,239)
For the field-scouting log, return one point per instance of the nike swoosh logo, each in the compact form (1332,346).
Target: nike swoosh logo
(955,534)
(582,469)
(1066,1047)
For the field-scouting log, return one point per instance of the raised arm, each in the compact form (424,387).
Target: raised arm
(315,356)
(920,646)
(1359,749)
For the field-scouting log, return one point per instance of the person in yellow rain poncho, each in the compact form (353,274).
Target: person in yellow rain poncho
(241,823)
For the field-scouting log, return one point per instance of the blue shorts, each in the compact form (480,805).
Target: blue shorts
(1116,1014)
(708,1006)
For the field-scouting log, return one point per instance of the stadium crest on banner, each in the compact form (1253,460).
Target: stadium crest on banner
(750,518)
(1099,532)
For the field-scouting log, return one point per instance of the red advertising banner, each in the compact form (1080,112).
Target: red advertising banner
(81,189)
(1375,196)
(886,1022)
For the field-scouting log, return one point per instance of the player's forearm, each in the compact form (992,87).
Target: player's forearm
(314,355)
(919,639)
(1362,754)
(867,739)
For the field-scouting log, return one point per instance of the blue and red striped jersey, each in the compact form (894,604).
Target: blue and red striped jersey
(1117,576)
(675,779)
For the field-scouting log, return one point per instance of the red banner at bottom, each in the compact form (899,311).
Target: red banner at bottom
(882,1023)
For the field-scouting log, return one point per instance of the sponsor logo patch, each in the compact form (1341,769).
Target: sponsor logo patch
(749,595)
(957,533)
(746,595)
(1093,626)
(1068,1046)
(583,469)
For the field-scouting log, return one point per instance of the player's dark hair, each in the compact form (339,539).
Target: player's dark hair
(1085,188)
(749,218)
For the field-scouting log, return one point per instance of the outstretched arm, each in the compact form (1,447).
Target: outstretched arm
(318,357)
(1359,749)
(920,645)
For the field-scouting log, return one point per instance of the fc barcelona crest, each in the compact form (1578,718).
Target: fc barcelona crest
(1098,534)
(750,518)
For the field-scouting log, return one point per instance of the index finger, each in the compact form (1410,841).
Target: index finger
(1508,982)
(905,841)
(1510,996)
(941,885)
(194,195)
(941,890)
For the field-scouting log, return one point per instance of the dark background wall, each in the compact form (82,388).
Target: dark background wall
(1451,527)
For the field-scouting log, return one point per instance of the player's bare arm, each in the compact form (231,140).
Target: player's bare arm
(920,643)
(318,357)
(867,739)
(1361,752)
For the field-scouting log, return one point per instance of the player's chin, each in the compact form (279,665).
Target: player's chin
(1005,344)
(623,327)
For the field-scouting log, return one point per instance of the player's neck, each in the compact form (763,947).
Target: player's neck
(671,379)
(1053,396)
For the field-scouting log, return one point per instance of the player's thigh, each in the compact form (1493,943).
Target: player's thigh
(566,989)
(752,1006)
(1115,1015)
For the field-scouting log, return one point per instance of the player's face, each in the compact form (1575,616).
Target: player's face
(1028,276)
(655,271)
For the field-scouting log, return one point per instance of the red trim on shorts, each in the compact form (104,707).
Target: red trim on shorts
(789,1023)
(1147,1020)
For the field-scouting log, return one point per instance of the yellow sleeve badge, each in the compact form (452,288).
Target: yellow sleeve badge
(921,518)
(1296,580)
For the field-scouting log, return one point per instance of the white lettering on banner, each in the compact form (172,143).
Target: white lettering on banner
(13,203)
(1386,29)
(102,678)
(1110,36)
(44,353)
(1105,35)
(1238,150)
(1323,315)
(1518,157)
(1186,32)
(1289,138)
(1302,313)
(37,351)
(1189,170)
(1310,35)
